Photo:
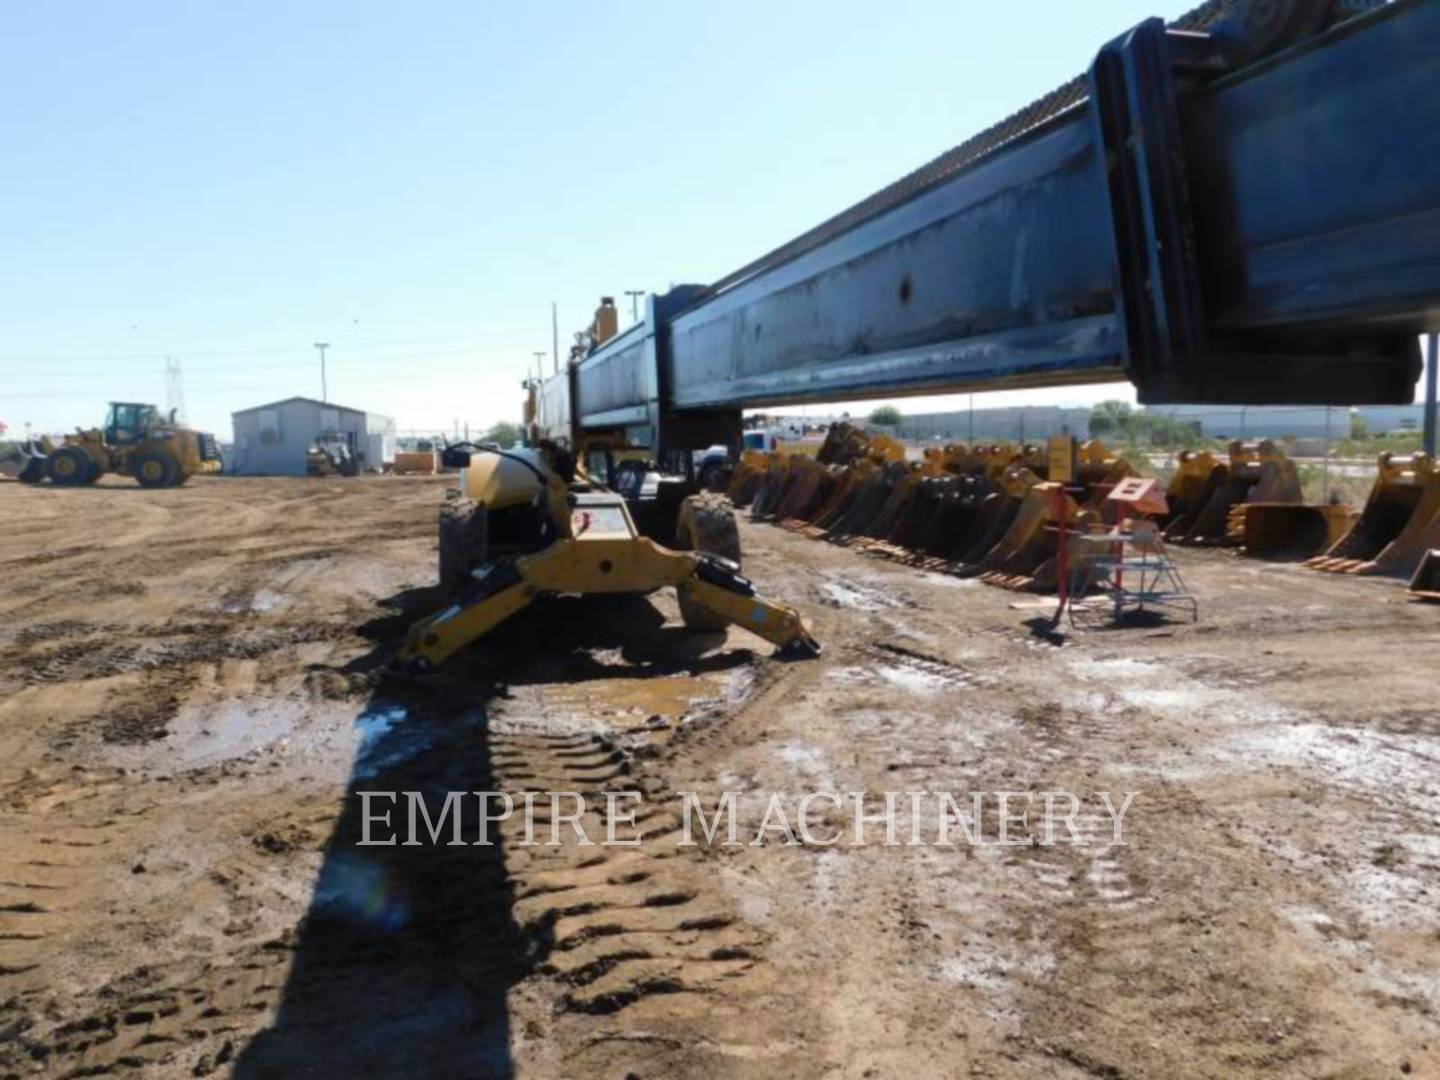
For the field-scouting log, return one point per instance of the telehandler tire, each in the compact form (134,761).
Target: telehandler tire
(706,523)
(156,471)
(68,466)
(464,535)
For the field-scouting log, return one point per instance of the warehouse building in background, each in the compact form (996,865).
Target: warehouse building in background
(275,439)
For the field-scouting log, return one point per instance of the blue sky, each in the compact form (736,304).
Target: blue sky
(415,183)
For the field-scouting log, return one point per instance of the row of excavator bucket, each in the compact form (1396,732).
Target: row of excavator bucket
(1206,493)
(991,513)
(981,511)
(1398,526)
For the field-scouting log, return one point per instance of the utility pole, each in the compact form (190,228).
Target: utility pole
(1430,378)
(540,362)
(634,295)
(1326,478)
(324,387)
(174,388)
(554,337)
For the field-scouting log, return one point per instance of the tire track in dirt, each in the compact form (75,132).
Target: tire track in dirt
(620,924)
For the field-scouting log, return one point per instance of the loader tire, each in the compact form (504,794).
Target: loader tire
(706,523)
(156,471)
(463,534)
(68,466)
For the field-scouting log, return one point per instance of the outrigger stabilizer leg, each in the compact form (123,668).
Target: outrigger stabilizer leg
(589,566)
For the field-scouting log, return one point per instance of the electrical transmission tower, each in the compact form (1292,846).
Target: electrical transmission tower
(174,388)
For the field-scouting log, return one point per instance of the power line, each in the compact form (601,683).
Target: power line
(303,357)
(526,334)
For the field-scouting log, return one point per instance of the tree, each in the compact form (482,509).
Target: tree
(1111,418)
(886,416)
(504,434)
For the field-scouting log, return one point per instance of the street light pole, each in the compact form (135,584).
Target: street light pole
(1430,404)
(634,295)
(324,388)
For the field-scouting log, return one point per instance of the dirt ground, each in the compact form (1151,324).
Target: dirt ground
(193,687)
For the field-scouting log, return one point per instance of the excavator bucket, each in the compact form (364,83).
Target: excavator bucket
(1098,471)
(1198,475)
(848,485)
(1259,472)
(762,506)
(749,474)
(978,511)
(1285,531)
(1399,524)
(807,485)
(871,501)
(1025,556)
(844,443)
(1425,585)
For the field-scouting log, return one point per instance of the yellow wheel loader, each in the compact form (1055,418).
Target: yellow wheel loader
(136,440)
(526,524)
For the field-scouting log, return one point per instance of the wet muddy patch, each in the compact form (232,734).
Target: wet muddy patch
(855,594)
(897,668)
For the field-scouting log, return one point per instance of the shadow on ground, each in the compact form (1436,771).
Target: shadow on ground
(403,962)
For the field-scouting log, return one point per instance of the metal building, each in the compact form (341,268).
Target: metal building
(274,439)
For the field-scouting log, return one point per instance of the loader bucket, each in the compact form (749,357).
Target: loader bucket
(1284,531)
(1399,524)
(12,460)
(1425,585)
(25,460)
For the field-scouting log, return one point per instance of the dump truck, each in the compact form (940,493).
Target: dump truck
(1227,210)
(136,440)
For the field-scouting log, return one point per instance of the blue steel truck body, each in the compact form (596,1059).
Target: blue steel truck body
(1213,230)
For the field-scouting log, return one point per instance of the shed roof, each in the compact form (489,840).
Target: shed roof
(292,400)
